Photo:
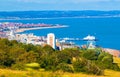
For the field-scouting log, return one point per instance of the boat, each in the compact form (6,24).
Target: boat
(89,37)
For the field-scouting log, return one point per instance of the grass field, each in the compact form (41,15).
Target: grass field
(14,73)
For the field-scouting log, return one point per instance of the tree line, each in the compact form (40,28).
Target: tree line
(16,55)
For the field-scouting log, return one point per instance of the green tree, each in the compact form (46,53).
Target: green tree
(27,57)
(80,65)
(5,60)
(90,54)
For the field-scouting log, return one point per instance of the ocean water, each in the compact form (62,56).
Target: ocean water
(106,30)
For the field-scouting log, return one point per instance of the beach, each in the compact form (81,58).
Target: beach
(36,28)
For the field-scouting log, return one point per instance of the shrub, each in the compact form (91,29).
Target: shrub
(86,66)
(65,67)
(18,66)
(116,67)
(90,54)
(80,65)
(93,69)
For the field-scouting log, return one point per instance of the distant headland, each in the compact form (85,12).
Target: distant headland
(25,29)
(57,14)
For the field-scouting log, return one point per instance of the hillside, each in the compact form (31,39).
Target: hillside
(16,73)
(19,56)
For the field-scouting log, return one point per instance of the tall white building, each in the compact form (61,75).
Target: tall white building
(51,40)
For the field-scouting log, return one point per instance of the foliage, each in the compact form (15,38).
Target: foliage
(65,67)
(86,66)
(19,56)
(90,54)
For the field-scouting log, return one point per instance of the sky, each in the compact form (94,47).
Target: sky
(37,5)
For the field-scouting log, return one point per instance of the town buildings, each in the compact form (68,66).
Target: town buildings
(8,30)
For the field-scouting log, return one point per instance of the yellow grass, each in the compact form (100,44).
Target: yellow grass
(117,60)
(14,73)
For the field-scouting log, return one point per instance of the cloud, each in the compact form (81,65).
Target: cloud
(38,1)
(59,4)
(65,1)
(61,1)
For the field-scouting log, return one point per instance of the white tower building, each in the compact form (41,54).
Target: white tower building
(51,40)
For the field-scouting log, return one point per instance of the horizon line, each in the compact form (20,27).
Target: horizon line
(55,10)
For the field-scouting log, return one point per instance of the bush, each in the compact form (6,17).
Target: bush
(90,54)
(93,69)
(65,67)
(116,67)
(83,65)
(18,66)
(80,65)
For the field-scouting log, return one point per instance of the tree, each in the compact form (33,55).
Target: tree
(64,57)
(80,65)
(90,54)
(48,49)
(27,57)
(15,52)
(5,60)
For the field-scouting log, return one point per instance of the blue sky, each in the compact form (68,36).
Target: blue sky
(26,5)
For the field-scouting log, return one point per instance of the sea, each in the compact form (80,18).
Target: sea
(106,30)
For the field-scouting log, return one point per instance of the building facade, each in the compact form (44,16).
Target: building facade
(51,40)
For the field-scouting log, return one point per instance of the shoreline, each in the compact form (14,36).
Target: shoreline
(26,29)
(62,17)
(113,52)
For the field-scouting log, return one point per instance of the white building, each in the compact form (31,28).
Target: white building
(90,42)
(51,40)
(65,45)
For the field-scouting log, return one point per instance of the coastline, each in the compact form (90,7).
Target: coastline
(114,52)
(26,29)
(61,17)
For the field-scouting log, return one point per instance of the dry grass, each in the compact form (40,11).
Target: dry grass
(14,73)
(111,73)
(11,73)
(117,60)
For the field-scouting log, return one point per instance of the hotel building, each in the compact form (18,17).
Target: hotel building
(51,40)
